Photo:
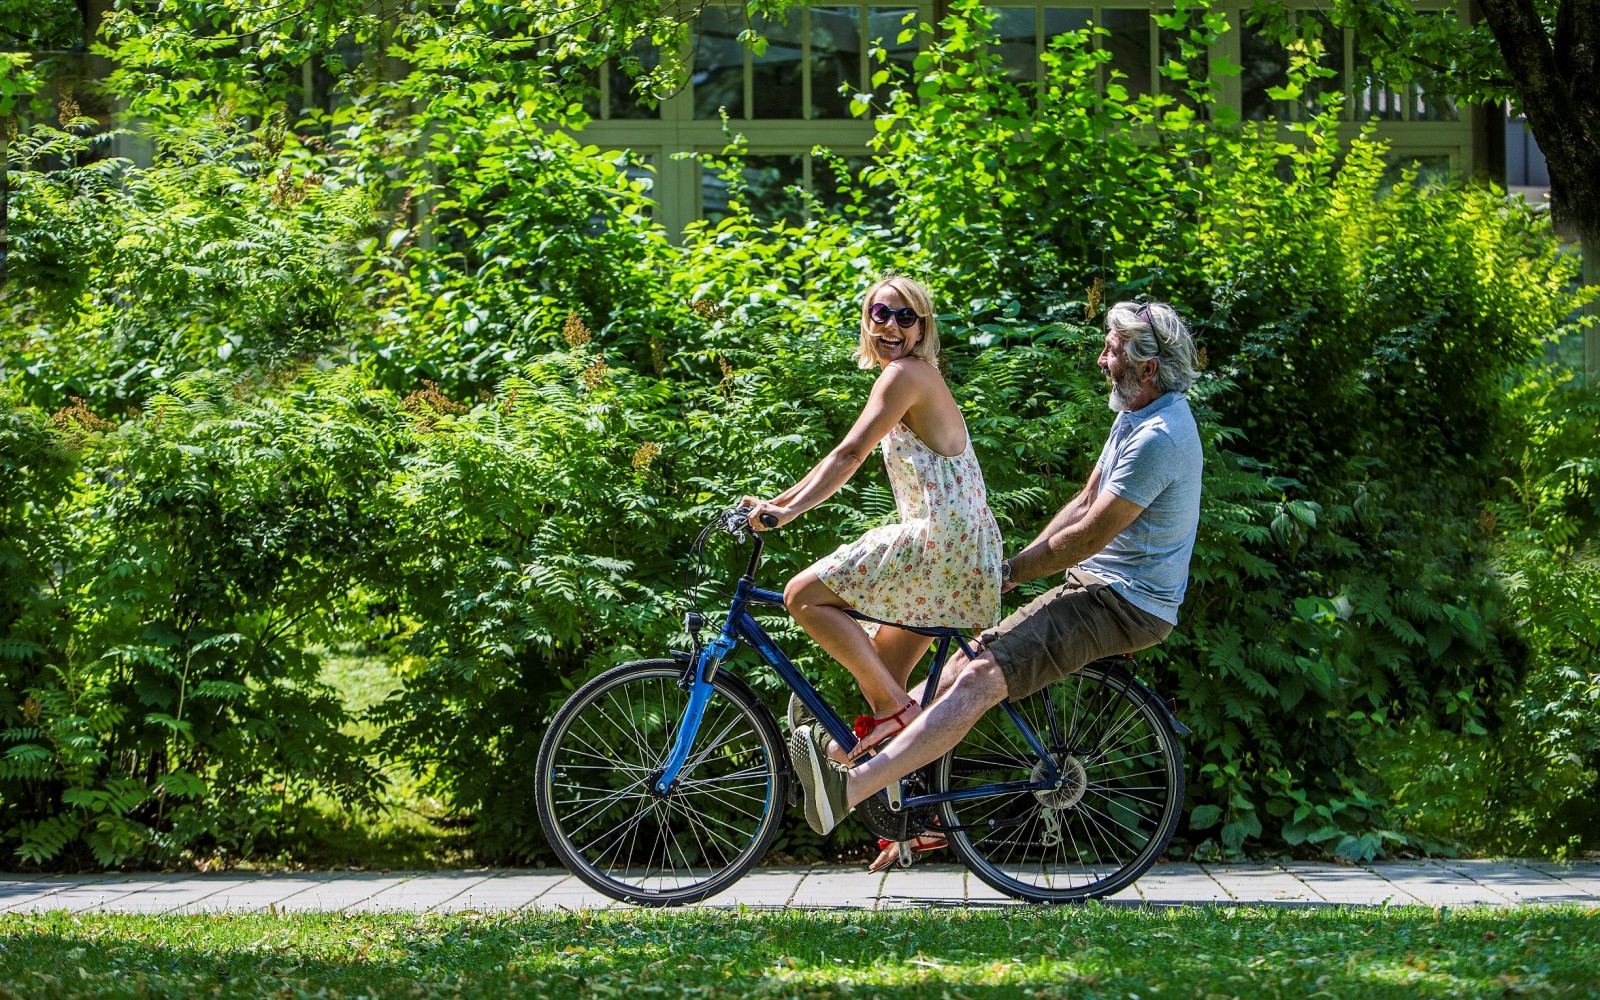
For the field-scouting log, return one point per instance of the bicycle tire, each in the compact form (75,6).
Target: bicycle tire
(1100,831)
(606,823)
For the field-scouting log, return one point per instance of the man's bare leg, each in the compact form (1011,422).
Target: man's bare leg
(973,689)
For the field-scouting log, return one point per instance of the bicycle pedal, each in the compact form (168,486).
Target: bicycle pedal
(907,855)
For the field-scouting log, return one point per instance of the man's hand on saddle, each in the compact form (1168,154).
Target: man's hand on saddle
(758,507)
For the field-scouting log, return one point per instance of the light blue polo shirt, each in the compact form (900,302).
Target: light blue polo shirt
(1152,458)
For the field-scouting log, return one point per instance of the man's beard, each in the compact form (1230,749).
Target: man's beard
(1124,390)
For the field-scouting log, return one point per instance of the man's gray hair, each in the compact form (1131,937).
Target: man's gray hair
(1153,330)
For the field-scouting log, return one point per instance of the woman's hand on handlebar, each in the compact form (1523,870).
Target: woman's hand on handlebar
(763,514)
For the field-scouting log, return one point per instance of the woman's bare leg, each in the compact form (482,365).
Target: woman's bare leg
(900,652)
(821,613)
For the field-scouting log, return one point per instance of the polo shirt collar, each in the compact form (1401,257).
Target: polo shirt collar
(1160,403)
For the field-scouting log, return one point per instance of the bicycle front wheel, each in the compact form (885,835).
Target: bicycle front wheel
(598,765)
(1112,816)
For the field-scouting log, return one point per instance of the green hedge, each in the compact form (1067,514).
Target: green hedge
(462,403)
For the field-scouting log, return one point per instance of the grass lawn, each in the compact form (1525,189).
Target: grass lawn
(1090,951)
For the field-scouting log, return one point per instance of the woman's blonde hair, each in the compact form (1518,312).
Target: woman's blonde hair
(917,297)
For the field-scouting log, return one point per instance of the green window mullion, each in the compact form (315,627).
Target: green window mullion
(749,83)
(1154,81)
(864,63)
(805,76)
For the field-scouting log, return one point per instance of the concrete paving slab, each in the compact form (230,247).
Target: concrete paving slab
(1433,885)
(163,893)
(265,892)
(762,890)
(423,890)
(1584,876)
(572,894)
(79,894)
(1347,885)
(1181,882)
(507,890)
(836,886)
(188,896)
(21,896)
(1448,882)
(1516,882)
(1261,883)
(924,885)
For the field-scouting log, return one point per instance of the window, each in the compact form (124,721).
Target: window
(621,99)
(718,76)
(835,60)
(769,189)
(814,62)
(1131,62)
(1017,43)
(1266,65)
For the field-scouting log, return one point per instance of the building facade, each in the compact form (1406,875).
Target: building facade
(792,96)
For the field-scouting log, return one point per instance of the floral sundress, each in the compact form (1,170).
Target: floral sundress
(940,565)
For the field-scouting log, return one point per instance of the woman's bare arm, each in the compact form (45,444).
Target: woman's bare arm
(896,390)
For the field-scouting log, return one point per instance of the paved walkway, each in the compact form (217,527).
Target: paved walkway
(1429,883)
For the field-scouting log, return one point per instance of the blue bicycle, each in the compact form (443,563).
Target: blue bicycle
(662,782)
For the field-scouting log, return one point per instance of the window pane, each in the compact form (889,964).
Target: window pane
(1431,168)
(1016,43)
(775,75)
(1373,98)
(767,190)
(625,75)
(837,183)
(1429,103)
(1180,72)
(885,25)
(719,63)
(1129,44)
(1060,20)
(835,60)
(1332,57)
(1266,64)
(642,171)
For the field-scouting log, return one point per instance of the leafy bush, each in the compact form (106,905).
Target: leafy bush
(452,394)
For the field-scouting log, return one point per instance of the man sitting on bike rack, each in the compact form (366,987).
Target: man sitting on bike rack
(1124,541)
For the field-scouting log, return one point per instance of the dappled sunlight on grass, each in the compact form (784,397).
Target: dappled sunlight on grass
(1088,951)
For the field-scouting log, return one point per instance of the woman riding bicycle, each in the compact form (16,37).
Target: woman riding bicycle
(940,565)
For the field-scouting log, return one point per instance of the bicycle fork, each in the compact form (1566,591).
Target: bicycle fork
(705,668)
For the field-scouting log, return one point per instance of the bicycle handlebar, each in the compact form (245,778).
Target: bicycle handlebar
(736,520)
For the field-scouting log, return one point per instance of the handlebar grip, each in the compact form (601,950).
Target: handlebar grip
(770,520)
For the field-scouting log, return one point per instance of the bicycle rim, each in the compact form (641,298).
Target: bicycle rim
(1108,822)
(599,760)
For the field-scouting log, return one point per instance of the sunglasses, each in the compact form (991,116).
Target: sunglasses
(904,317)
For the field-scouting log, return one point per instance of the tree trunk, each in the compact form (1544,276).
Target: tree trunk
(1591,336)
(1557,78)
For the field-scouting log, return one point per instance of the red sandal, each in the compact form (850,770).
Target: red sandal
(877,726)
(889,850)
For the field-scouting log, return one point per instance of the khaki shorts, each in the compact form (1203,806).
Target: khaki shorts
(1065,629)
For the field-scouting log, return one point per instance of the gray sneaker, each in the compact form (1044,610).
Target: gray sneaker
(799,714)
(827,798)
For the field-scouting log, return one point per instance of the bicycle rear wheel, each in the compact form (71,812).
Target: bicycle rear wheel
(1109,821)
(597,766)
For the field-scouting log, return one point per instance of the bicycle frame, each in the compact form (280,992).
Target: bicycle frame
(741,625)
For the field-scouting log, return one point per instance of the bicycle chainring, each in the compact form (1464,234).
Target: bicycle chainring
(903,825)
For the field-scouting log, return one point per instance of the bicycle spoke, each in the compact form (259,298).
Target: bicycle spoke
(1116,809)
(614,830)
